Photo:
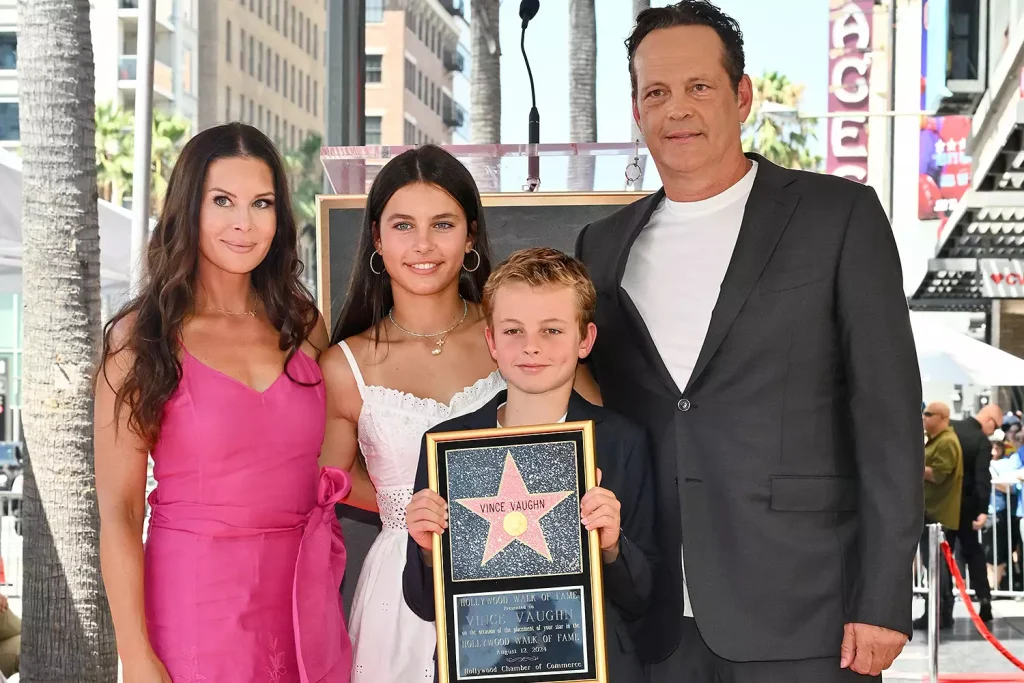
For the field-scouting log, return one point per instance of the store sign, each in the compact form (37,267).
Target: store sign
(849,68)
(944,172)
(1002,278)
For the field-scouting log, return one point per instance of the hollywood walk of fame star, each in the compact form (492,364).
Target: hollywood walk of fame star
(514,513)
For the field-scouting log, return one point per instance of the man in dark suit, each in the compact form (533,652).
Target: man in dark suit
(973,434)
(745,294)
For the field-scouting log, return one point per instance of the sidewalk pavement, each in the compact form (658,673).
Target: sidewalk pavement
(962,649)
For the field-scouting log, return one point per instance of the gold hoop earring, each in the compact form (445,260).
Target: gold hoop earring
(477,266)
(382,269)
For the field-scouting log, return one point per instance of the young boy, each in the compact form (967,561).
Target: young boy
(540,309)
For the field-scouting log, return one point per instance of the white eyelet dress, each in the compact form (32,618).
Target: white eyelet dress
(390,643)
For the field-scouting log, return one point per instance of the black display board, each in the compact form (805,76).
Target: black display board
(514,221)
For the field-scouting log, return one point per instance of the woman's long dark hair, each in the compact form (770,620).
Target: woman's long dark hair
(166,296)
(369,297)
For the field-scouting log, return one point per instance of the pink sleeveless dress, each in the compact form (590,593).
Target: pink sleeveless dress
(244,555)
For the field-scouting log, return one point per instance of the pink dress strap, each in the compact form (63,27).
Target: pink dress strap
(322,644)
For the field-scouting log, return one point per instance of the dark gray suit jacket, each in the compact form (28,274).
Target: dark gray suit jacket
(790,467)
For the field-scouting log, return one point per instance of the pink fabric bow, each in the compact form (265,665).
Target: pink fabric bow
(322,644)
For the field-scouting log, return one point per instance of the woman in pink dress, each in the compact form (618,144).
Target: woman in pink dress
(213,370)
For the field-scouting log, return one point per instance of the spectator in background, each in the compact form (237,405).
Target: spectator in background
(973,434)
(1000,541)
(943,488)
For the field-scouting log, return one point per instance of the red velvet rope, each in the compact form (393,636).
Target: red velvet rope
(978,623)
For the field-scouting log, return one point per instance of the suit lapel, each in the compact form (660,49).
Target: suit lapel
(767,213)
(643,336)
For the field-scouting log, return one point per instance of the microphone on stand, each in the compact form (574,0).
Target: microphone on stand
(528,10)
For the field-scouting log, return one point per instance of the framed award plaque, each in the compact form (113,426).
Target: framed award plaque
(517,578)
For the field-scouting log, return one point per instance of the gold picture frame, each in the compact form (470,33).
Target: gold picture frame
(591,569)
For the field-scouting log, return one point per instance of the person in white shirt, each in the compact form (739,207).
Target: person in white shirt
(747,293)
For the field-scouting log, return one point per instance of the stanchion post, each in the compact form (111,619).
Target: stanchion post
(934,584)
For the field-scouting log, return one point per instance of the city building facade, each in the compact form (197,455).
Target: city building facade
(413,56)
(262,62)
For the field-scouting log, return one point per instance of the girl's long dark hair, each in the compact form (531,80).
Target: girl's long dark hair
(369,297)
(166,295)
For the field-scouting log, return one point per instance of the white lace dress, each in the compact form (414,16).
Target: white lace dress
(390,643)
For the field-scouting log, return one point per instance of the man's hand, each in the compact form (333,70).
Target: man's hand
(870,650)
(979,523)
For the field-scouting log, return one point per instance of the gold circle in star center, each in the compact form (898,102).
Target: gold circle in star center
(515,524)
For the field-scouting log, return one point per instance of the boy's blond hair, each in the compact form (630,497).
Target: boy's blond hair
(544,267)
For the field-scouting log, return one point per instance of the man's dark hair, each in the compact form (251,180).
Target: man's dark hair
(691,13)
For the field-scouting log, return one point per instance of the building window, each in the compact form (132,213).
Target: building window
(374,12)
(241,52)
(410,76)
(277,15)
(374,68)
(292,98)
(241,107)
(309,43)
(227,42)
(419,85)
(409,137)
(251,8)
(410,20)
(308,90)
(284,30)
(292,137)
(302,24)
(8,51)
(252,109)
(299,101)
(316,42)
(277,73)
(316,92)
(373,130)
(252,55)
(277,127)
(259,6)
(284,84)
(293,24)
(259,68)
(186,71)
(259,115)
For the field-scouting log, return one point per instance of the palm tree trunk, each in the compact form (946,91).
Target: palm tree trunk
(485,90)
(582,89)
(638,7)
(68,635)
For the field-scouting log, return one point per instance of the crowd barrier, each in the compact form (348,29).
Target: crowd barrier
(999,539)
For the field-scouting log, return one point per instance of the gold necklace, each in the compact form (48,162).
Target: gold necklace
(251,312)
(443,334)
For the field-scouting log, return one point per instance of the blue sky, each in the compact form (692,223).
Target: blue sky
(793,41)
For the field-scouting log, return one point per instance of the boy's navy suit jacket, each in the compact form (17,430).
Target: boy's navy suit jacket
(623,456)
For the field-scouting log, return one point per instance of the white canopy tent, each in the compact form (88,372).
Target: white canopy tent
(945,355)
(115,233)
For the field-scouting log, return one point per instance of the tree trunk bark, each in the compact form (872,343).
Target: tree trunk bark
(68,635)
(582,89)
(485,90)
(638,7)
